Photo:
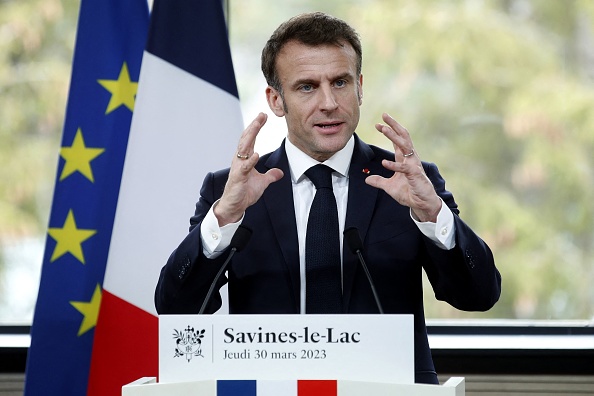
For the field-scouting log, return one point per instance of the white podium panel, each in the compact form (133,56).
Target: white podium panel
(149,387)
(370,348)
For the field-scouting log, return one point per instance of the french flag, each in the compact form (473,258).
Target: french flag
(187,121)
(276,388)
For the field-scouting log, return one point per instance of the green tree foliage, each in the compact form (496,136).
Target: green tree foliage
(494,98)
(36,40)
(500,95)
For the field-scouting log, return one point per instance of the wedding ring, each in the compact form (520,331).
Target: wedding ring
(244,157)
(409,154)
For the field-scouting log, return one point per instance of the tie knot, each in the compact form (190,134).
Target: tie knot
(320,175)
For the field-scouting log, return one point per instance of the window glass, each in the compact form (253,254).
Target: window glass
(36,42)
(498,93)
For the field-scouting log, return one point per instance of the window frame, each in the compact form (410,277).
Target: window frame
(542,355)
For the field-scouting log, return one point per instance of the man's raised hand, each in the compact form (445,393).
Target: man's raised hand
(409,185)
(245,185)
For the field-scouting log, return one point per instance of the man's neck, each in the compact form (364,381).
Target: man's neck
(299,162)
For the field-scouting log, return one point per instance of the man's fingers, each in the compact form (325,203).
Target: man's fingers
(273,175)
(398,135)
(395,125)
(391,165)
(248,164)
(245,148)
(254,127)
(389,132)
(377,182)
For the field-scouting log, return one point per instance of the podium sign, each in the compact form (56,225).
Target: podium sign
(377,348)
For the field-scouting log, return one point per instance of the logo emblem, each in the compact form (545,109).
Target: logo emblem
(188,343)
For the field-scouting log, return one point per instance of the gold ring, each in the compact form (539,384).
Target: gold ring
(244,157)
(409,154)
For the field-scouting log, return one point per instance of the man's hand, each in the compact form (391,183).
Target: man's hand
(409,185)
(245,184)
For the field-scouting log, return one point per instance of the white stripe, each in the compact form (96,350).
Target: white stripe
(276,388)
(516,342)
(182,128)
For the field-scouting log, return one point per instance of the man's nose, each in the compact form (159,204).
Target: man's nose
(328,100)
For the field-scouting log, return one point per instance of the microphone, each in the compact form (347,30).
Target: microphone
(353,241)
(238,243)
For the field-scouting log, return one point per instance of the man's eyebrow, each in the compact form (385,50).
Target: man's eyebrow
(305,81)
(309,81)
(344,76)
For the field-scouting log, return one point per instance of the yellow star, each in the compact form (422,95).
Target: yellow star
(90,311)
(69,239)
(78,158)
(123,91)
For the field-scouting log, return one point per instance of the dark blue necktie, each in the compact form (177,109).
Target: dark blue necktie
(322,247)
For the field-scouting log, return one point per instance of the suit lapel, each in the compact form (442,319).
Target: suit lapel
(361,203)
(278,199)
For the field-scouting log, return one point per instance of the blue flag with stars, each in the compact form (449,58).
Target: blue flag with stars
(110,41)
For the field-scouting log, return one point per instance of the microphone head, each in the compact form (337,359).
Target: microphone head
(241,238)
(353,239)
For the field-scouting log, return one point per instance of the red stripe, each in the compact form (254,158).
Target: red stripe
(317,388)
(125,347)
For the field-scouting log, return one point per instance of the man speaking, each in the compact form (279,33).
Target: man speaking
(323,180)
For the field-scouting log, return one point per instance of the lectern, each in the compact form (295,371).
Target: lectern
(301,355)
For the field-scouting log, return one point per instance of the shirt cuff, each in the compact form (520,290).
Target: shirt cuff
(442,232)
(216,239)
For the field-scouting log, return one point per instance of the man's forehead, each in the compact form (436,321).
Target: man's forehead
(291,44)
(296,55)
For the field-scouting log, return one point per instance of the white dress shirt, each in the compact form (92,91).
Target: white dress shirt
(216,239)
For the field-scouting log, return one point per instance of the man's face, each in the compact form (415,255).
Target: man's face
(321,96)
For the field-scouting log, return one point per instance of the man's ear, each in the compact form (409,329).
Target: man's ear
(275,101)
(360,89)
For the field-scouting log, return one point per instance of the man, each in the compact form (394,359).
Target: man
(406,218)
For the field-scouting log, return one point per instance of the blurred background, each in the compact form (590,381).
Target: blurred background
(498,93)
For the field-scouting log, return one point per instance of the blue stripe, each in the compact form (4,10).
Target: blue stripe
(236,388)
(197,43)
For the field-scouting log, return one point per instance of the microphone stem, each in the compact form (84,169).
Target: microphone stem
(216,279)
(377,301)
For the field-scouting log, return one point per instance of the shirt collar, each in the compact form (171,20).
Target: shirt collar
(299,162)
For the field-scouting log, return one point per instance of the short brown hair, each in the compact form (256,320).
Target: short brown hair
(313,29)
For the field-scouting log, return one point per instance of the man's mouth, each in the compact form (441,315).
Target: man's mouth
(328,126)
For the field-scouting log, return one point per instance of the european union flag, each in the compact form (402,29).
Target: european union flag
(110,42)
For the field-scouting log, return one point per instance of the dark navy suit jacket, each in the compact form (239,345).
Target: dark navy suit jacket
(264,277)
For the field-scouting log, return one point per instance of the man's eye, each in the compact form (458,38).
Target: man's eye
(340,83)
(306,87)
